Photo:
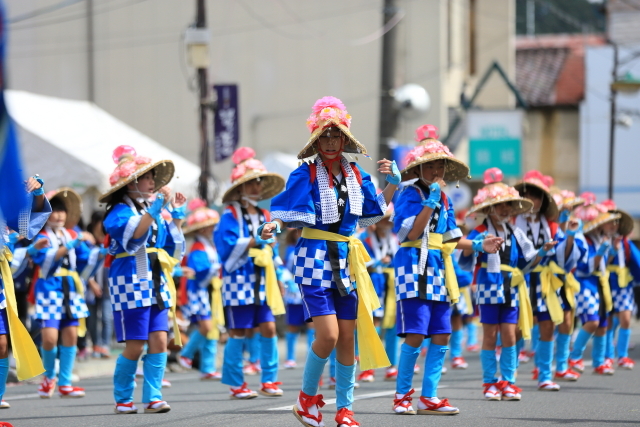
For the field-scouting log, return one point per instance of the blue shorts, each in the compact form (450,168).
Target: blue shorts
(321,301)
(424,317)
(248,316)
(197,318)
(58,324)
(602,320)
(295,315)
(4,323)
(494,314)
(138,323)
(542,316)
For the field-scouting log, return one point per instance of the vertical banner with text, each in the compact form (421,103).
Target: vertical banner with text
(226,126)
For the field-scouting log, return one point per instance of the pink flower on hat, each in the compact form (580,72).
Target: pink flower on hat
(328,102)
(242,154)
(195,204)
(494,192)
(589,198)
(492,175)
(326,109)
(609,204)
(590,212)
(432,147)
(202,215)
(426,131)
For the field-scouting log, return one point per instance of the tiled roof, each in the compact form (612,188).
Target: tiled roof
(550,69)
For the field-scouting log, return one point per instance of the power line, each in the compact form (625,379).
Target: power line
(43,11)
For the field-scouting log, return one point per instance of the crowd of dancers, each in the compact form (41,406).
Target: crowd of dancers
(357,263)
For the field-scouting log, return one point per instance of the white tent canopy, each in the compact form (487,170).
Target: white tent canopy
(70,143)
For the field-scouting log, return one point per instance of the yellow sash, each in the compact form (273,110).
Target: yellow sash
(217,314)
(624,274)
(606,289)
(372,354)
(264,258)
(550,283)
(62,272)
(525,316)
(28,362)
(466,294)
(450,278)
(389,319)
(167,263)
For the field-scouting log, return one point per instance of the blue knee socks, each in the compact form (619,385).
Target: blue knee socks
(67,359)
(332,364)
(4,373)
(345,382)
(153,367)
(408,357)
(433,369)
(311,335)
(580,344)
(563,342)
(254,347)
(519,347)
(232,364)
(623,342)
(292,337)
(312,372)
(456,343)
(489,366)
(597,352)
(535,337)
(194,344)
(509,363)
(609,346)
(391,345)
(269,359)
(208,352)
(472,333)
(544,355)
(498,339)
(124,379)
(49,362)
(356,341)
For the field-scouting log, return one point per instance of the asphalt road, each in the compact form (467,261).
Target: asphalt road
(592,401)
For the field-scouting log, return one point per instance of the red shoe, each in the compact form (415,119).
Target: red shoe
(307,409)
(185,362)
(47,387)
(251,369)
(344,418)
(423,351)
(473,348)
(626,363)
(435,406)
(459,363)
(535,373)
(567,375)
(416,368)
(157,407)
(402,404)
(391,374)
(125,408)
(576,365)
(523,357)
(492,391)
(242,393)
(70,391)
(609,362)
(366,376)
(510,391)
(213,376)
(603,370)
(271,389)
(332,383)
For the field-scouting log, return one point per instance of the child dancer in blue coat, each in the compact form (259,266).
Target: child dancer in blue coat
(144,248)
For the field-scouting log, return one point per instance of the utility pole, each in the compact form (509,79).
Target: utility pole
(203,88)
(388,114)
(612,122)
(91,87)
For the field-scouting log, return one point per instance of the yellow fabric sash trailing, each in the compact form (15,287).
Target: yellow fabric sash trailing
(217,313)
(466,294)
(167,263)
(606,289)
(550,283)
(372,354)
(28,362)
(450,278)
(62,272)
(624,274)
(571,288)
(389,319)
(525,316)
(264,258)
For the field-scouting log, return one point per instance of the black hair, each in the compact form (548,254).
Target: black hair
(57,205)
(96,218)
(537,193)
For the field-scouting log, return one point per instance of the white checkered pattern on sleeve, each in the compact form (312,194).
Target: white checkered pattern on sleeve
(494,294)
(622,299)
(312,267)
(127,292)
(199,304)
(587,302)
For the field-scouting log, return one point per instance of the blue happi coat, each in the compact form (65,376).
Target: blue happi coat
(205,261)
(131,281)
(627,256)
(300,205)
(442,221)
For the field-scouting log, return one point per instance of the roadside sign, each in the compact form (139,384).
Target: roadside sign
(495,140)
